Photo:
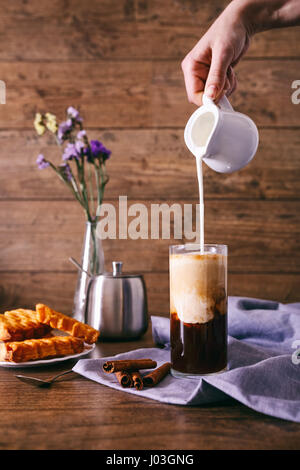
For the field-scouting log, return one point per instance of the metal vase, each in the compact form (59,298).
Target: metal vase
(92,261)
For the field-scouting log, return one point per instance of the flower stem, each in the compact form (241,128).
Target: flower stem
(98,184)
(91,189)
(80,172)
(71,185)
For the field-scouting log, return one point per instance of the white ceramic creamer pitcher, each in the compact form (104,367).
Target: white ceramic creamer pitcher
(225,139)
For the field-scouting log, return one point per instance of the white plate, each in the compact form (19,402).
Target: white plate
(15,365)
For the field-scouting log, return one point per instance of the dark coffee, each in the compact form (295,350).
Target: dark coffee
(199,348)
(198,308)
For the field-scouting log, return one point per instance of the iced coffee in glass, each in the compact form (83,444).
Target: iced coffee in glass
(198,308)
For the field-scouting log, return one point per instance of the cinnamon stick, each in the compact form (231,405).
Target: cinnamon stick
(137,380)
(154,377)
(128,364)
(124,378)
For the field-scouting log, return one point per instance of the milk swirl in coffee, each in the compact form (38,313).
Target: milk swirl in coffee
(198,298)
(197,285)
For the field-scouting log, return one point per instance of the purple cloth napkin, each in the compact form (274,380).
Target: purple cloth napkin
(263,369)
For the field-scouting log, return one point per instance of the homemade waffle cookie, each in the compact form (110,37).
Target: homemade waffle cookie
(35,349)
(21,324)
(64,323)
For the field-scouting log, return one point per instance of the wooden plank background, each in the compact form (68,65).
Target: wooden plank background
(118,61)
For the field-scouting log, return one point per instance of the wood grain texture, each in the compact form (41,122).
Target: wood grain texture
(120,29)
(26,289)
(133,97)
(119,62)
(139,94)
(153,163)
(82,414)
(263,236)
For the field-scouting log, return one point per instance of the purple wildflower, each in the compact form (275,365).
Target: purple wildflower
(66,171)
(99,150)
(74,113)
(81,134)
(41,162)
(96,147)
(70,152)
(105,152)
(79,145)
(63,129)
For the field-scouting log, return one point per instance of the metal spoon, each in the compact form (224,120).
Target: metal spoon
(79,267)
(40,382)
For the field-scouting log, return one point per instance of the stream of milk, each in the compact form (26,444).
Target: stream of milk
(200,133)
(201,200)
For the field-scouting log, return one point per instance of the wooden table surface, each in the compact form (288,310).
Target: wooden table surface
(76,413)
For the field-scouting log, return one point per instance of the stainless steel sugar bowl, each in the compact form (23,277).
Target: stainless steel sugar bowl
(117,304)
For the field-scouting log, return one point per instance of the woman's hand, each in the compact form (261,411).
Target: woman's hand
(208,67)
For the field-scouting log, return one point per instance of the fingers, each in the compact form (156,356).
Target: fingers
(232,81)
(214,80)
(195,73)
(230,84)
(220,63)
(197,99)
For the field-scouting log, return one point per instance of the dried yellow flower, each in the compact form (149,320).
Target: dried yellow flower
(38,124)
(51,123)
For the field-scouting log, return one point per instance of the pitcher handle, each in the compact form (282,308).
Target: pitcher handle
(224,104)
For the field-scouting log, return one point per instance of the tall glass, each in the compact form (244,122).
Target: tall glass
(198,309)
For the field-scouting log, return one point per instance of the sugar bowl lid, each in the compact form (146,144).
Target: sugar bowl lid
(118,273)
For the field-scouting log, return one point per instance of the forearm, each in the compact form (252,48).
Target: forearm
(208,67)
(261,15)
